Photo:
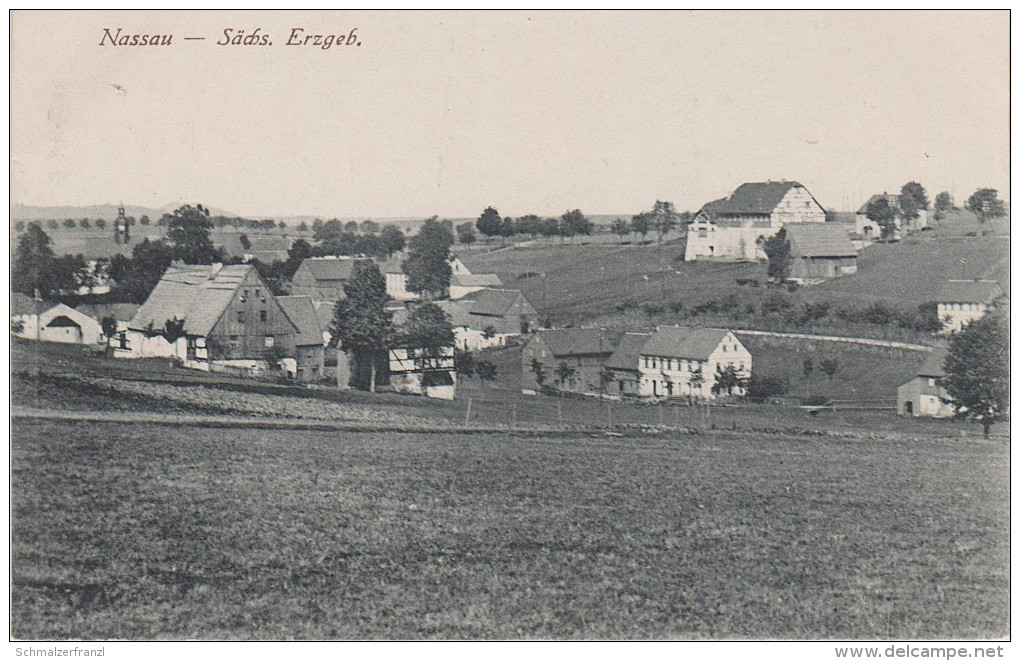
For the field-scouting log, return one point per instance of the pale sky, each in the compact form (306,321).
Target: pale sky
(448,112)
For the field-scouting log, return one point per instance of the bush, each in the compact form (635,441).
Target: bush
(626,304)
(676,307)
(652,309)
(763,387)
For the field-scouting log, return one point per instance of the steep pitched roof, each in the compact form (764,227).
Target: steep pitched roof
(496,302)
(934,365)
(331,269)
(757,198)
(684,342)
(626,356)
(324,314)
(119,311)
(198,294)
(580,341)
(819,240)
(301,311)
(969,291)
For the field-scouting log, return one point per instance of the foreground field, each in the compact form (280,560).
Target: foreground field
(147,531)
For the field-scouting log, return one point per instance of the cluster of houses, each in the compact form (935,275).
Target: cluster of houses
(672,362)
(224,318)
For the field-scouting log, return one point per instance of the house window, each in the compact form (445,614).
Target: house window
(240,316)
(931,383)
(269,341)
(702,234)
(122,340)
(262,315)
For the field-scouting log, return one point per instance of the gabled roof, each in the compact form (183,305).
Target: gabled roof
(496,302)
(580,341)
(119,311)
(969,291)
(476,280)
(757,198)
(301,311)
(458,313)
(684,342)
(196,293)
(626,356)
(934,366)
(331,269)
(819,240)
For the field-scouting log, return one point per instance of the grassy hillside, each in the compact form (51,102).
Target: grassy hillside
(643,286)
(146,531)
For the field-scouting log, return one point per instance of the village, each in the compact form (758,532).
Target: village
(219,314)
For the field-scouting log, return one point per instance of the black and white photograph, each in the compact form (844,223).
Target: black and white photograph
(510,325)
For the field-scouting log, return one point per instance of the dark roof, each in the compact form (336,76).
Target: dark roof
(819,240)
(119,311)
(458,313)
(580,341)
(63,321)
(326,269)
(934,365)
(196,293)
(969,291)
(627,352)
(324,314)
(301,311)
(496,302)
(758,198)
(684,342)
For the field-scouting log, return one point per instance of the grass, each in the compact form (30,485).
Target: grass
(144,531)
(590,284)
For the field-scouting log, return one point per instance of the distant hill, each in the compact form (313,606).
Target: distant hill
(104,211)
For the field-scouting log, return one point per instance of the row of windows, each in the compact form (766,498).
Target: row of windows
(962,306)
(655,363)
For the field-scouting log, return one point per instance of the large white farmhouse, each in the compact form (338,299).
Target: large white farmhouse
(730,228)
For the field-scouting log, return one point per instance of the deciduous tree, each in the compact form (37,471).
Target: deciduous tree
(188,233)
(777,249)
(977,372)
(427,265)
(361,325)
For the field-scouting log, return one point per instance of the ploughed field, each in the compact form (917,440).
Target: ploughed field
(153,531)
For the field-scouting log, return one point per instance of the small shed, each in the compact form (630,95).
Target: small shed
(819,251)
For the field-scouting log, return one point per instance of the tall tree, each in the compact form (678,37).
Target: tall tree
(913,200)
(574,222)
(466,233)
(393,240)
(985,204)
(529,224)
(489,223)
(884,215)
(188,233)
(32,261)
(361,325)
(428,335)
(369,226)
(641,224)
(943,203)
(977,371)
(137,279)
(428,260)
(777,249)
(664,218)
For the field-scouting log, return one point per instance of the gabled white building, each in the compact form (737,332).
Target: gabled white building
(730,228)
(672,357)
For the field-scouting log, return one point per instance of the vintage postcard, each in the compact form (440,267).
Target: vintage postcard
(510,325)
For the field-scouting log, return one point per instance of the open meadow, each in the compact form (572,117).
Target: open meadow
(152,531)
